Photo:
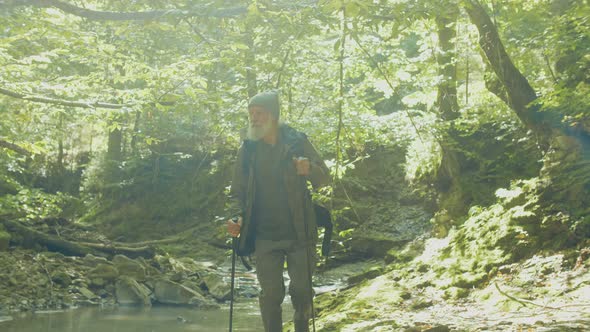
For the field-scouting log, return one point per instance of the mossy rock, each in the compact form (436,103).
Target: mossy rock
(371,273)
(421,304)
(129,267)
(93,261)
(328,303)
(373,245)
(219,289)
(129,292)
(103,271)
(469,280)
(61,278)
(455,293)
(399,256)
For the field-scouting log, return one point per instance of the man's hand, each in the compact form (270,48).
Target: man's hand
(233,228)
(302,165)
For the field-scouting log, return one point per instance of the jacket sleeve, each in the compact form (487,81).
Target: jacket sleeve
(237,194)
(319,173)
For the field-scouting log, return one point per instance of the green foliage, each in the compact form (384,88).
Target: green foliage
(34,204)
(163,194)
(573,103)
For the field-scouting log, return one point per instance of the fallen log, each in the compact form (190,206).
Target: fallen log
(131,252)
(30,237)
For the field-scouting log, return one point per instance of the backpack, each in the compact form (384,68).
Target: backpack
(324,219)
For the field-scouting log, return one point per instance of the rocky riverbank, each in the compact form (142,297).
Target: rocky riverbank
(31,281)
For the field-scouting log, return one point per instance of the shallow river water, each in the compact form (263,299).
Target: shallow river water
(154,319)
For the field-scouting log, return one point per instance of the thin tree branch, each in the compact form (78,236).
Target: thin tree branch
(48,100)
(527,302)
(285,59)
(14,147)
(151,15)
(519,91)
(82,104)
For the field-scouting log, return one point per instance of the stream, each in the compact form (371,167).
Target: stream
(154,319)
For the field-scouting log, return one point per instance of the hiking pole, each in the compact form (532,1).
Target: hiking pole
(233,275)
(307,249)
(307,254)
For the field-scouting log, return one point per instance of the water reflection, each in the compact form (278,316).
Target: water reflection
(155,319)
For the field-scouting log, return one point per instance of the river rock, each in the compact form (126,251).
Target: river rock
(389,227)
(129,267)
(195,284)
(102,274)
(131,293)
(150,270)
(61,278)
(219,289)
(163,262)
(177,276)
(439,328)
(169,292)
(93,261)
(53,256)
(87,293)
(193,267)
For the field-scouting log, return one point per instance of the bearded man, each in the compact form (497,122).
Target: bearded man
(271,202)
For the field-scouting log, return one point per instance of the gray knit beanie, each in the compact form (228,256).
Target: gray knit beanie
(269,100)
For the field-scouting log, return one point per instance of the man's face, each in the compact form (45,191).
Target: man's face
(260,122)
(258,116)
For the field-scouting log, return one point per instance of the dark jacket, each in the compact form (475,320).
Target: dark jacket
(243,188)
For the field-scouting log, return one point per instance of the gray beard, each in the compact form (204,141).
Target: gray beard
(257,133)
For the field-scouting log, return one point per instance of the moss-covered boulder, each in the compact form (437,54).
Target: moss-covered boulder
(169,292)
(129,267)
(102,274)
(61,278)
(218,288)
(131,293)
(93,261)
(389,227)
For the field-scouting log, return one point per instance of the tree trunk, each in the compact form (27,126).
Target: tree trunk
(513,88)
(448,175)
(564,149)
(519,93)
(447,68)
(135,132)
(114,151)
